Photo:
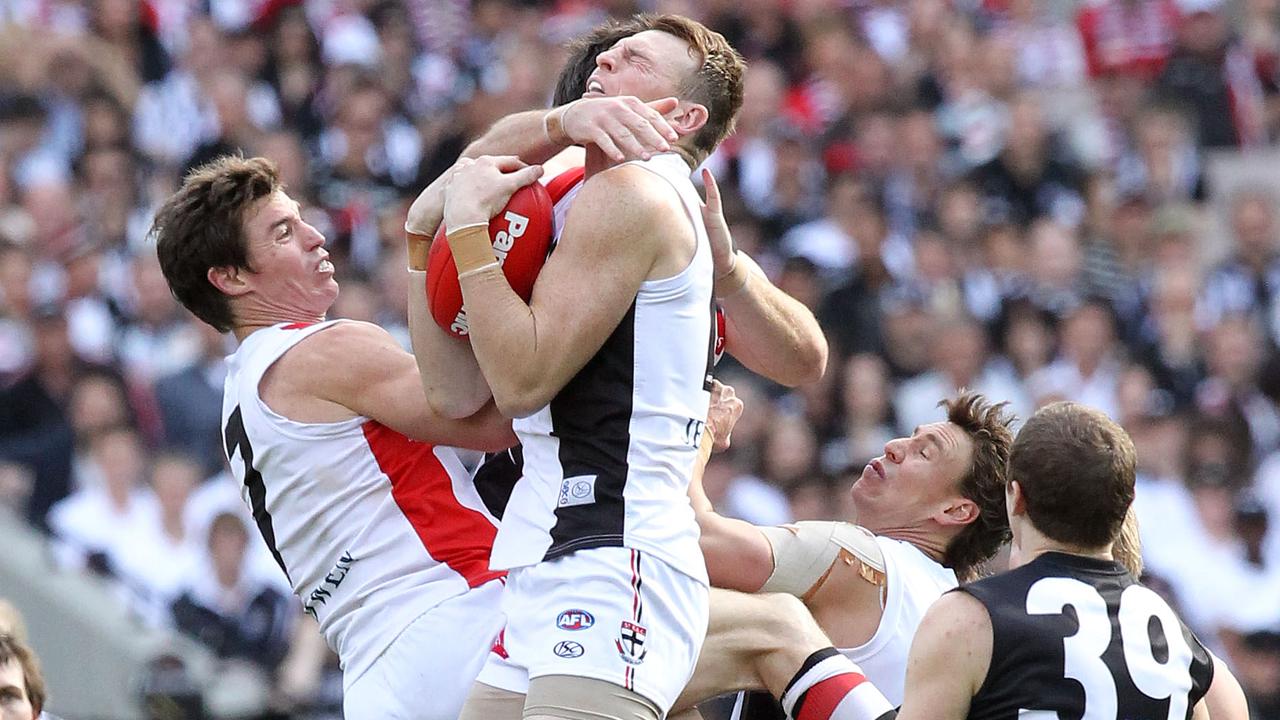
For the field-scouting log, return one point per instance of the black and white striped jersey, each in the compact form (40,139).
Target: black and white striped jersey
(607,462)
(1078,637)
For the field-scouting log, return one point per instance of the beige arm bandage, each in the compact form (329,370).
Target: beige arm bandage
(804,553)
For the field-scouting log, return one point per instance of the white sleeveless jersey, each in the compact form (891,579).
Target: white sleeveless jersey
(914,581)
(372,528)
(607,462)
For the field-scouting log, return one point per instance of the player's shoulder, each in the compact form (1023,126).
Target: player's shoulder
(957,616)
(341,335)
(343,350)
(629,188)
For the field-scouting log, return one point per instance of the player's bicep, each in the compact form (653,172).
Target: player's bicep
(383,384)
(589,282)
(949,658)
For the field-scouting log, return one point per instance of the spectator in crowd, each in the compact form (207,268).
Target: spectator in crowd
(154,557)
(225,606)
(34,428)
(91,522)
(99,402)
(1088,366)
(190,400)
(866,411)
(1233,360)
(1248,280)
(961,361)
(1032,177)
(1209,73)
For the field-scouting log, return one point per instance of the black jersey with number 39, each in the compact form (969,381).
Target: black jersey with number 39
(1076,638)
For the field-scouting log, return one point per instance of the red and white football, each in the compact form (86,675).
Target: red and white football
(521,234)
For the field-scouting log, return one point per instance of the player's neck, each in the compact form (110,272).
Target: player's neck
(929,543)
(251,321)
(1032,544)
(596,161)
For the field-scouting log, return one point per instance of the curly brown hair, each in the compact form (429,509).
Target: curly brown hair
(988,426)
(201,226)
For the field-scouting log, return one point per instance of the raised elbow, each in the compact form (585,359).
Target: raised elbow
(813,362)
(806,365)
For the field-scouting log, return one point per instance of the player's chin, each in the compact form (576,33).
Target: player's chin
(327,292)
(859,487)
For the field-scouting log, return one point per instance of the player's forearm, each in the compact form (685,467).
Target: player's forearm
(451,377)
(737,554)
(697,495)
(772,333)
(505,341)
(534,136)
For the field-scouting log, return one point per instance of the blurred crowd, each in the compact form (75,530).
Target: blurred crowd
(1012,196)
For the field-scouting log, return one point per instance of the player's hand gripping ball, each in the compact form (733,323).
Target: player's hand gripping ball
(521,234)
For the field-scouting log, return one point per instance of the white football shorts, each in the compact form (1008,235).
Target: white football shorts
(613,614)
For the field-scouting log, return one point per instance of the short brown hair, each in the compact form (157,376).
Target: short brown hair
(11,649)
(201,226)
(987,425)
(1076,469)
(717,84)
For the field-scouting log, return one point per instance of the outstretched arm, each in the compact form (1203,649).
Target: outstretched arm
(358,369)
(623,127)
(769,332)
(737,553)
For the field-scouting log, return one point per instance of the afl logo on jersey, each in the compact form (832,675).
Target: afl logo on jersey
(575,620)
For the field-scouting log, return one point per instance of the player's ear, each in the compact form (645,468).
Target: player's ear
(688,118)
(960,511)
(230,280)
(1014,500)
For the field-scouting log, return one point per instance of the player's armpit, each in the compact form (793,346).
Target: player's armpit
(359,366)
(949,659)
(620,225)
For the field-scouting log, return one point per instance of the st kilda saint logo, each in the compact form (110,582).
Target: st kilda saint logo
(630,642)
